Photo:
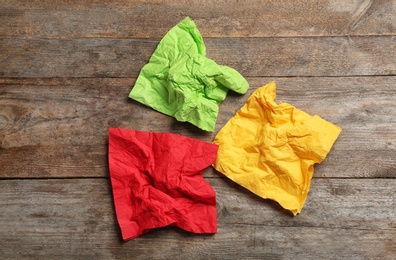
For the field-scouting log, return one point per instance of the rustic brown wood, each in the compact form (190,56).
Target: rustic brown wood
(75,218)
(66,68)
(323,56)
(58,127)
(147,19)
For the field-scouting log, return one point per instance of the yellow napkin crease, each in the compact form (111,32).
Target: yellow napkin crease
(270,149)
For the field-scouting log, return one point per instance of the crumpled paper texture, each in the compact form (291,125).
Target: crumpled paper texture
(180,81)
(157,181)
(271,148)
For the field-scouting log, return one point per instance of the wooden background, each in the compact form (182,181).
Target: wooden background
(66,69)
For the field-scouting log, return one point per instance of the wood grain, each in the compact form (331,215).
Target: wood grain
(66,68)
(148,19)
(58,127)
(75,219)
(100,57)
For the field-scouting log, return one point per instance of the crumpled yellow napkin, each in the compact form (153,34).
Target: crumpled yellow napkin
(271,148)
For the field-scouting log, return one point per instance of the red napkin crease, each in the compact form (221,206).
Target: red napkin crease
(157,181)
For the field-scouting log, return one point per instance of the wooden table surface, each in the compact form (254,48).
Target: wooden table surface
(66,69)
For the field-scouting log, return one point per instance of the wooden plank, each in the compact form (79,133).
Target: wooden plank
(147,19)
(74,218)
(58,127)
(323,56)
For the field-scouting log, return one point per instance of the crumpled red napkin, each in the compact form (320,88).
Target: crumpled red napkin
(157,181)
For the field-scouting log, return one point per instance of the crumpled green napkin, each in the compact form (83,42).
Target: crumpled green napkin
(180,81)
